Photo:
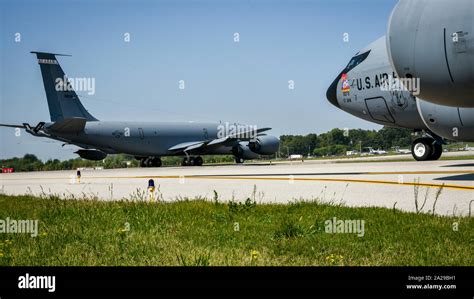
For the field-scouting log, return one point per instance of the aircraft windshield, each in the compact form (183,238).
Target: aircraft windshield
(355,61)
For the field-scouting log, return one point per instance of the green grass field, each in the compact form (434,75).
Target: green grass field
(204,232)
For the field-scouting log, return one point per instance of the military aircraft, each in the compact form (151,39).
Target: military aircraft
(370,89)
(72,124)
(433,40)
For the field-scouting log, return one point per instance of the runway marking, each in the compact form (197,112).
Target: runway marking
(278,177)
(4,177)
(429,185)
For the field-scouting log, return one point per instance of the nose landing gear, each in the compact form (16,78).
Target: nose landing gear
(426,149)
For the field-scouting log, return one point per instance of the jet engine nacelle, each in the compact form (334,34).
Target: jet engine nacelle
(433,40)
(265,145)
(94,155)
(242,150)
(452,123)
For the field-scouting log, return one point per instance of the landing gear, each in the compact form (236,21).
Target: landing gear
(155,162)
(426,149)
(436,152)
(239,160)
(192,161)
(150,162)
(198,161)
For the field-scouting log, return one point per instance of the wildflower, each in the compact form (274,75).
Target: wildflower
(334,259)
(254,254)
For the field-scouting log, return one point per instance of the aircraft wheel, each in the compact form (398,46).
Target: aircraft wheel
(198,161)
(437,151)
(421,149)
(239,160)
(142,162)
(156,162)
(184,162)
(191,162)
(149,162)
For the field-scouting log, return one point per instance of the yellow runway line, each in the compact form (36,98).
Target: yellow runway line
(286,177)
(269,178)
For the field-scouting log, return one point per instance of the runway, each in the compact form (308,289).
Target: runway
(381,184)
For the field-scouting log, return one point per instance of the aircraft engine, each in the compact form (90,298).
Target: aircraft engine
(433,40)
(452,123)
(265,145)
(242,150)
(94,155)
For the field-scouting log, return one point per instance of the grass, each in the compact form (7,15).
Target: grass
(210,233)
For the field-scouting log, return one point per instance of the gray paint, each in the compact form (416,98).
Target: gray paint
(434,40)
(388,108)
(407,111)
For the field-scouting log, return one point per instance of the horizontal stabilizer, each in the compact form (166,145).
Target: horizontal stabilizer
(68,125)
(13,126)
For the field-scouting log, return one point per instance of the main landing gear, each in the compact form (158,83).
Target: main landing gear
(426,149)
(192,161)
(150,162)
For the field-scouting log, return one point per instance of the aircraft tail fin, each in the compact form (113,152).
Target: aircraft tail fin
(63,102)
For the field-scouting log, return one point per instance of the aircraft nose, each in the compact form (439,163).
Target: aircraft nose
(331,93)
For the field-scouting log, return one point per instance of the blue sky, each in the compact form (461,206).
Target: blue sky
(193,41)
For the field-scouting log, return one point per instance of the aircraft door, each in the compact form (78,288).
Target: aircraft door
(378,109)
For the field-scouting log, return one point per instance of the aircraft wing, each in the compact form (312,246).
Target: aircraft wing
(240,136)
(228,140)
(185,145)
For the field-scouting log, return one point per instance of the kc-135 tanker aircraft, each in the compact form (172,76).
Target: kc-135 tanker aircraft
(71,123)
(420,76)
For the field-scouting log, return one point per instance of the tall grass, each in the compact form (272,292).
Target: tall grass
(203,233)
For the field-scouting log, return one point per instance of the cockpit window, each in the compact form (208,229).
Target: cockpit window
(355,61)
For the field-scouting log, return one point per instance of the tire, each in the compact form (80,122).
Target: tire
(149,162)
(239,160)
(198,161)
(156,162)
(184,162)
(436,152)
(421,149)
(142,162)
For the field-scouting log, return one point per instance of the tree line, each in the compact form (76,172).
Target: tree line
(337,141)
